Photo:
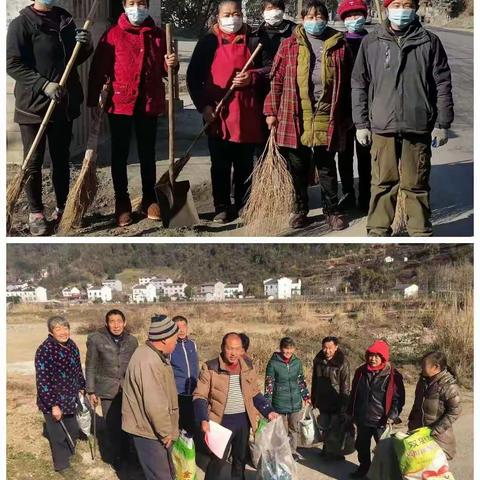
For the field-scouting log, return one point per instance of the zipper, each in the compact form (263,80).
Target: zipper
(188,366)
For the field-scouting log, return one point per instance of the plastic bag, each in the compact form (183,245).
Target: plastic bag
(255,452)
(420,457)
(276,460)
(83,415)
(385,463)
(309,433)
(183,456)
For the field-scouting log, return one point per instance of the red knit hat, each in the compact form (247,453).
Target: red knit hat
(380,348)
(386,3)
(347,6)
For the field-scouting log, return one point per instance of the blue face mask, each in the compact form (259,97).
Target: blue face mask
(401,17)
(315,27)
(137,15)
(355,25)
(50,3)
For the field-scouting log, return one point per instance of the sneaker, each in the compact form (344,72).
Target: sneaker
(299,220)
(123,212)
(37,224)
(151,210)
(360,472)
(336,222)
(221,217)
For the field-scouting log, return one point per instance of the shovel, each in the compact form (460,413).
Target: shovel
(174,198)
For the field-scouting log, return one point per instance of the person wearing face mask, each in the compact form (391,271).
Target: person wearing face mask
(234,134)
(354,14)
(132,57)
(402,105)
(40,42)
(309,75)
(437,401)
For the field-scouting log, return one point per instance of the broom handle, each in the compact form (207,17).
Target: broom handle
(63,81)
(379,9)
(171,113)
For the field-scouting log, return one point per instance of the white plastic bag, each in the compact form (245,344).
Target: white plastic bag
(309,433)
(83,416)
(276,462)
(385,463)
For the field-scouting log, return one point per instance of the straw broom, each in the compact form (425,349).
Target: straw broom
(271,197)
(16,185)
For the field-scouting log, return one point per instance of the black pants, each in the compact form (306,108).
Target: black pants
(240,427)
(59,445)
(363,443)
(187,417)
(121,133)
(225,155)
(155,459)
(345,167)
(300,162)
(118,440)
(59,136)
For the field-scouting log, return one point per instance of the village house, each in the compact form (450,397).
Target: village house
(233,290)
(72,293)
(214,291)
(144,293)
(27,294)
(174,290)
(113,284)
(282,288)
(103,293)
(159,283)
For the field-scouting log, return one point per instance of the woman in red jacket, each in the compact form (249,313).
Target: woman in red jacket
(132,57)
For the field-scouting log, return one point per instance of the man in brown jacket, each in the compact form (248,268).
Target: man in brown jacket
(228,393)
(150,403)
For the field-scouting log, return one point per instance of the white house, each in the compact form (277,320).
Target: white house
(160,282)
(388,259)
(233,290)
(103,293)
(113,284)
(213,291)
(27,294)
(411,291)
(144,293)
(145,280)
(174,290)
(73,292)
(283,288)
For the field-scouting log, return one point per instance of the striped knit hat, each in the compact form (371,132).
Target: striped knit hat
(161,328)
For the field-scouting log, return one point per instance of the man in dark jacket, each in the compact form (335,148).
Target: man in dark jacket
(108,352)
(402,104)
(40,41)
(184,360)
(377,398)
(330,390)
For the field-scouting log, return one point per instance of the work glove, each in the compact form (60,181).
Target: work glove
(364,137)
(439,137)
(83,36)
(54,91)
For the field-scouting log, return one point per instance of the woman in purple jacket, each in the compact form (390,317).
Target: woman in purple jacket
(59,380)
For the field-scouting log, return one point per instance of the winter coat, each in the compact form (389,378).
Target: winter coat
(37,53)
(107,362)
(150,401)
(285,385)
(331,383)
(437,405)
(59,375)
(376,396)
(132,59)
(402,84)
(283,101)
(184,360)
(210,396)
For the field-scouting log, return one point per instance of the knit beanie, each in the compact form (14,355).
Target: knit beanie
(386,3)
(380,348)
(347,6)
(161,328)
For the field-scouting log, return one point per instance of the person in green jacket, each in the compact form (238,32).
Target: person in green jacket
(285,388)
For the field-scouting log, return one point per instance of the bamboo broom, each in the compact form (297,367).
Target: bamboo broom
(16,185)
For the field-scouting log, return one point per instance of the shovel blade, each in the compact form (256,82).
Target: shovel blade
(176,205)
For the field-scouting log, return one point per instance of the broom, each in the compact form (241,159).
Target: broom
(16,185)
(83,192)
(271,197)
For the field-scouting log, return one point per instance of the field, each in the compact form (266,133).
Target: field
(411,327)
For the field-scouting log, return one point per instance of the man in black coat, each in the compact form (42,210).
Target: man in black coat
(108,353)
(40,42)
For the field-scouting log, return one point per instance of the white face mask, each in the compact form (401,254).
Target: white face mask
(137,15)
(231,24)
(273,17)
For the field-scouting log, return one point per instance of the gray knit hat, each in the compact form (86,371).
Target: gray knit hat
(161,328)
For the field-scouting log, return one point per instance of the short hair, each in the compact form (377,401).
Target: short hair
(147,1)
(330,338)
(440,359)
(275,3)
(286,342)
(314,4)
(180,318)
(114,311)
(230,334)
(238,3)
(245,341)
(56,321)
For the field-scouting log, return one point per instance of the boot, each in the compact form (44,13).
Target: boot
(151,210)
(123,212)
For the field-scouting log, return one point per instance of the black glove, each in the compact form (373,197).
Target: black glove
(54,91)
(83,36)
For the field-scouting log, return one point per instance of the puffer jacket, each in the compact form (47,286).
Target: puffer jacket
(437,405)
(150,401)
(285,385)
(185,366)
(376,396)
(402,84)
(330,383)
(210,396)
(107,362)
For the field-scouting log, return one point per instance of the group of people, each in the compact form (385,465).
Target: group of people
(386,94)
(149,393)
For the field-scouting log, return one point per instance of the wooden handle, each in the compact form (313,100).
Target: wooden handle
(171,112)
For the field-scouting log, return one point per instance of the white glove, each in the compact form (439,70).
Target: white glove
(364,137)
(439,137)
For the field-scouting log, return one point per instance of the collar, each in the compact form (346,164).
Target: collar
(330,37)
(39,21)
(239,37)
(147,26)
(53,340)
(182,340)
(162,356)
(223,366)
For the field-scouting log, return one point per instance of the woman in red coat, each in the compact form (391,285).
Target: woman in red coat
(132,57)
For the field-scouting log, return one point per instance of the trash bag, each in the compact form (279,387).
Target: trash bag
(254,447)
(276,460)
(420,457)
(83,415)
(384,463)
(309,432)
(183,456)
